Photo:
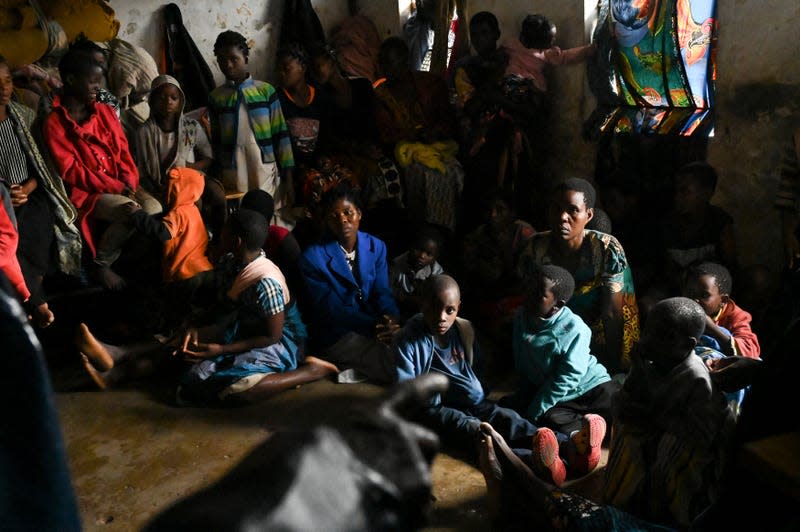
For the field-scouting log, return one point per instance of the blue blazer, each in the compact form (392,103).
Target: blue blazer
(338,304)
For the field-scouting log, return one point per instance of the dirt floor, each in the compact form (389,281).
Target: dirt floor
(132,453)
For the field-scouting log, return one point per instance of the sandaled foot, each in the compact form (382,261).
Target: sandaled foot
(91,348)
(42,316)
(110,279)
(321,368)
(96,376)
(585,451)
(547,464)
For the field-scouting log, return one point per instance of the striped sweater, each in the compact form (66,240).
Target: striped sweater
(266,120)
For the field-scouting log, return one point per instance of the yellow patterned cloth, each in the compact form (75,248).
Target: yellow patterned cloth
(434,156)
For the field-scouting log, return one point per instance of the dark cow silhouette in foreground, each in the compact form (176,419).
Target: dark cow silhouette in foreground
(367,471)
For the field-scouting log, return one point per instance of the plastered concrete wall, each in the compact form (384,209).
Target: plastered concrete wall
(573,156)
(758,105)
(385,14)
(142,24)
(758,96)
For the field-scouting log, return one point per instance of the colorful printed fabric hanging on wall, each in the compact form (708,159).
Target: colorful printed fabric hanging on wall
(661,65)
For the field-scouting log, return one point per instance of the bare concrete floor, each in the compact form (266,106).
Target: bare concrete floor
(132,454)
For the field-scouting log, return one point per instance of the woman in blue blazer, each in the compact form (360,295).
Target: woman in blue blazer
(349,305)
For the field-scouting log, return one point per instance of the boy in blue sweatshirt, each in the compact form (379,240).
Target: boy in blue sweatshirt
(438,341)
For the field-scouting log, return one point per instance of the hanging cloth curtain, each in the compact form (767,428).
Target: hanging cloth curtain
(441,30)
(660,66)
(184,61)
(300,24)
(417,32)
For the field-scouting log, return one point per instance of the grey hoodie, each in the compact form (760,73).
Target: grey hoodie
(191,141)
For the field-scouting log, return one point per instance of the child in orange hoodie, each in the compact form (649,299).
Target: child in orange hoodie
(185,240)
(181,229)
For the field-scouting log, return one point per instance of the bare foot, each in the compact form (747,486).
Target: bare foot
(97,377)
(492,471)
(43,316)
(92,349)
(516,487)
(110,279)
(321,368)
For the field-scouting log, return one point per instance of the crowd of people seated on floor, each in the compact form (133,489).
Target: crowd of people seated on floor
(291,283)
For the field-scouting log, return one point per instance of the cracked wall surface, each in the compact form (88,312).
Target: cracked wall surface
(757,90)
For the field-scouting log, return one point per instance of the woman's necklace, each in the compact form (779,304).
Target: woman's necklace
(349,256)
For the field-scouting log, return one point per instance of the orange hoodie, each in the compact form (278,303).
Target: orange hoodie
(185,251)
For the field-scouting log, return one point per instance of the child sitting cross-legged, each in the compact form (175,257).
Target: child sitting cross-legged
(250,347)
(562,381)
(671,422)
(438,341)
(709,284)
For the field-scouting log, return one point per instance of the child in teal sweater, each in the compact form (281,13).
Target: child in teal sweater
(562,380)
(437,341)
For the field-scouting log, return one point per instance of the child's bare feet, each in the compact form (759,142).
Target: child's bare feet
(96,376)
(92,349)
(43,317)
(321,368)
(492,471)
(109,278)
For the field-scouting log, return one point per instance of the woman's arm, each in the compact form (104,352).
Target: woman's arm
(615,266)
(613,324)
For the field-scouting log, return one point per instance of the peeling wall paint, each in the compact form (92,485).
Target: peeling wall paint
(758,105)
(758,96)
(757,90)
(385,14)
(142,23)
